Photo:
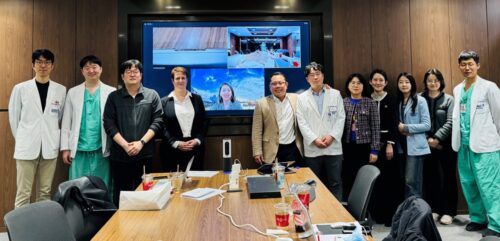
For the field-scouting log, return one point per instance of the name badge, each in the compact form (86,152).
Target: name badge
(54,107)
(462,108)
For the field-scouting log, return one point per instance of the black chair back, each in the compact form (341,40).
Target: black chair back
(359,197)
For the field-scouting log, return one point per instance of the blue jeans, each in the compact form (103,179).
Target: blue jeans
(413,175)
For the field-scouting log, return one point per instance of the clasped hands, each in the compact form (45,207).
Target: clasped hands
(187,145)
(323,141)
(133,148)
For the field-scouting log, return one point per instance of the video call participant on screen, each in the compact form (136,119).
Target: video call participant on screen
(476,137)
(132,117)
(227,99)
(35,111)
(275,132)
(321,117)
(84,143)
(186,125)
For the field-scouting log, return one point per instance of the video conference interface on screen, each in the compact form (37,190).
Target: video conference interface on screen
(226,60)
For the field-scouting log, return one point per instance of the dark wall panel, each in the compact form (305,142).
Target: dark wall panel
(351,39)
(468,30)
(430,45)
(390,30)
(493,13)
(16,18)
(97,34)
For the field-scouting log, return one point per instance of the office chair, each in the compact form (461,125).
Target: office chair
(86,204)
(41,221)
(359,197)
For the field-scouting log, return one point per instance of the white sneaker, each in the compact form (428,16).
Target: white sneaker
(446,219)
(435,216)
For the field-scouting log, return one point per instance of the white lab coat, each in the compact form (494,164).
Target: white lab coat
(312,124)
(70,129)
(484,117)
(33,129)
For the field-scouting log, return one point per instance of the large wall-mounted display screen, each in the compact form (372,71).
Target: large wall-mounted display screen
(229,63)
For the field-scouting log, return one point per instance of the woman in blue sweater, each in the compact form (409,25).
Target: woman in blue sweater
(414,122)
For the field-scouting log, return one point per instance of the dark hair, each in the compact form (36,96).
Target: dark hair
(277,73)
(232,92)
(379,71)
(468,54)
(91,59)
(413,90)
(178,69)
(47,54)
(438,75)
(362,80)
(313,66)
(129,64)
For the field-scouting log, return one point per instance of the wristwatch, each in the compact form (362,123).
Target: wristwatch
(143,142)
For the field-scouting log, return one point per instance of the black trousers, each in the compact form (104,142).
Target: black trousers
(440,181)
(289,152)
(355,156)
(328,169)
(171,157)
(388,191)
(127,176)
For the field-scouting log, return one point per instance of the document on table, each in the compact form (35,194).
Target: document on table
(201,193)
(202,173)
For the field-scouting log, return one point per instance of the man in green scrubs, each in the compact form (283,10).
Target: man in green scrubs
(84,143)
(476,137)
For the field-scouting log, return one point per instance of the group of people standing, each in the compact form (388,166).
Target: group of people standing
(412,138)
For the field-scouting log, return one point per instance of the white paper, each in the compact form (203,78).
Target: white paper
(202,173)
(153,199)
(201,193)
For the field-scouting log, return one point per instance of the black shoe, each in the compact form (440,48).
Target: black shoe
(490,232)
(472,226)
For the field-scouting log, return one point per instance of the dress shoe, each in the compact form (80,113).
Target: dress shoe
(435,216)
(472,226)
(446,219)
(490,232)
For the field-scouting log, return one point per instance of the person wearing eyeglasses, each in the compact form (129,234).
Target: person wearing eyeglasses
(35,111)
(476,137)
(321,117)
(275,132)
(132,117)
(84,143)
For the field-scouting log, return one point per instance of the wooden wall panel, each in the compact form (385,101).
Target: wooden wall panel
(468,30)
(97,34)
(7,168)
(390,30)
(16,23)
(493,13)
(54,29)
(241,148)
(430,44)
(351,39)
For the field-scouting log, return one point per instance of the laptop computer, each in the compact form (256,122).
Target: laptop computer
(262,187)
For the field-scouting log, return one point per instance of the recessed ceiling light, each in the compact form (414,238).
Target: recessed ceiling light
(173,7)
(281,7)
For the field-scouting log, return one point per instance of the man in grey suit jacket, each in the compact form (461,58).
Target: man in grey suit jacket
(275,131)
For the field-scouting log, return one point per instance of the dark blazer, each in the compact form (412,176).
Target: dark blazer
(172,131)
(388,119)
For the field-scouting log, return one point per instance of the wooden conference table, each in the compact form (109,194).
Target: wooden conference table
(186,219)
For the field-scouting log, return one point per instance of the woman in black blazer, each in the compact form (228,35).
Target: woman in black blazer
(185,125)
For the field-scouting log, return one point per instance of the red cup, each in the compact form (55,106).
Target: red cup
(147,182)
(282,215)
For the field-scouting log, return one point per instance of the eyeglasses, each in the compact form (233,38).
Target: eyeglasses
(278,83)
(317,74)
(43,62)
(131,72)
(433,82)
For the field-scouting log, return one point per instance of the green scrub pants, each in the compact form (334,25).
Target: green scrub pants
(480,179)
(91,163)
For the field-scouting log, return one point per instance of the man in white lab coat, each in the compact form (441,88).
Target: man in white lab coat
(321,117)
(35,112)
(84,143)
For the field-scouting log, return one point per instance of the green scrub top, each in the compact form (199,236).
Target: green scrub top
(90,127)
(465,100)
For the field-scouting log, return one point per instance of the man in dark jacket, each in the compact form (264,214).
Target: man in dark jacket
(132,117)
